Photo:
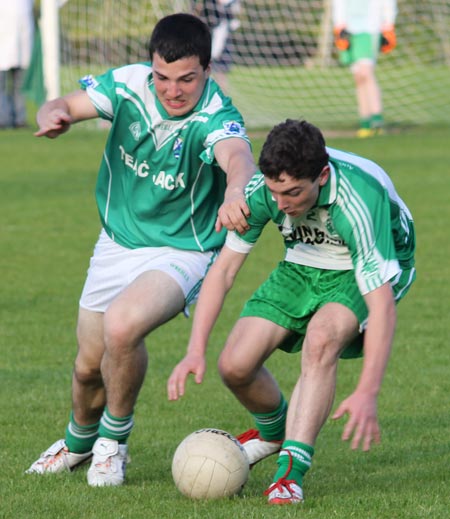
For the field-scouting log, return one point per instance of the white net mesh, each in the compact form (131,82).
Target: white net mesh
(283,60)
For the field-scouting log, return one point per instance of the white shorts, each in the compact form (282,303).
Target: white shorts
(112,268)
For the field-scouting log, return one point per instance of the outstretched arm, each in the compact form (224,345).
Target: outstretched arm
(361,405)
(56,116)
(217,283)
(234,156)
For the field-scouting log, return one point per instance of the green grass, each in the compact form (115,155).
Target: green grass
(48,228)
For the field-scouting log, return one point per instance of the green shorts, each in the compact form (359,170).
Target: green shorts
(363,46)
(294,293)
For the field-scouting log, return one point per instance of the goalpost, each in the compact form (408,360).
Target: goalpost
(283,60)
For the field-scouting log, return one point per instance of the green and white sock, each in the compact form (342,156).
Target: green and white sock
(271,426)
(301,456)
(80,438)
(115,428)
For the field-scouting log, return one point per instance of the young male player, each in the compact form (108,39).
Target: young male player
(172,178)
(350,244)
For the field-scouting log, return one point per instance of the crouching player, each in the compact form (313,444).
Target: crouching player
(350,244)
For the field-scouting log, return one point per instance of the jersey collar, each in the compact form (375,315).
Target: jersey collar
(328,192)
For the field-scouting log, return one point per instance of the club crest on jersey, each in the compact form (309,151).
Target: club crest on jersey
(135,129)
(232,127)
(178,145)
(88,81)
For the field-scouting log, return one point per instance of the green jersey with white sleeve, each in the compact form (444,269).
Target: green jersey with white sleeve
(359,222)
(158,183)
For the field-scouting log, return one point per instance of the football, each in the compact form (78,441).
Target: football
(210,464)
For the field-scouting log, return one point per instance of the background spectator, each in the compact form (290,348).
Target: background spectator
(221,18)
(16,43)
(362,28)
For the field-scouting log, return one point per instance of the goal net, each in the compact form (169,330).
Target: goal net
(283,61)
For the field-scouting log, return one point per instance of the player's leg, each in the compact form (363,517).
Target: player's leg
(329,331)
(88,401)
(150,300)
(163,282)
(250,343)
(88,391)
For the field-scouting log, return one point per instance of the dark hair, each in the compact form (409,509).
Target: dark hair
(296,148)
(180,36)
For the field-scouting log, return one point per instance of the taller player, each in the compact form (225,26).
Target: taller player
(171,180)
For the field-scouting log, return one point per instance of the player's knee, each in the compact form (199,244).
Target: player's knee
(320,348)
(232,372)
(118,332)
(87,373)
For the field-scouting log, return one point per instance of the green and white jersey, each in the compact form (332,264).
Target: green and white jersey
(359,223)
(158,183)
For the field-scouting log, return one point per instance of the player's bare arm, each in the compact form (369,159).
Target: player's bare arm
(361,405)
(56,116)
(217,283)
(235,157)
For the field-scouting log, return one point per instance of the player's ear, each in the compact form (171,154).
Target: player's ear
(324,175)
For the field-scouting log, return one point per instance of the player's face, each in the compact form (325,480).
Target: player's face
(179,85)
(295,197)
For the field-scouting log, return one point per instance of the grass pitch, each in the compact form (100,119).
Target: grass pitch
(49,225)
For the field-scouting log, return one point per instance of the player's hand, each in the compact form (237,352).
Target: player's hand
(53,124)
(341,38)
(233,215)
(192,363)
(388,40)
(362,423)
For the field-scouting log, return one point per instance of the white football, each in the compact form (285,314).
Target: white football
(209,464)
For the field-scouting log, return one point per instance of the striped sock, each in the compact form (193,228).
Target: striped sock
(115,428)
(80,438)
(294,461)
(271,426)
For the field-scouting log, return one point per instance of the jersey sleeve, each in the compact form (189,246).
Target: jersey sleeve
(224,122)
(365,225)
(102,92)
(107,90)
(260,213)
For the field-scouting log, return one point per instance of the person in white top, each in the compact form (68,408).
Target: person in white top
(363,28)
(16,44)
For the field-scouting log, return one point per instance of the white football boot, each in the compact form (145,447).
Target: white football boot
(284,492)
(108,463)
(58,458)
(256,448)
